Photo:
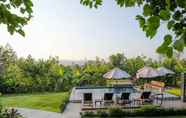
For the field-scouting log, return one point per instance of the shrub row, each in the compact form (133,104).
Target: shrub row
(143,111)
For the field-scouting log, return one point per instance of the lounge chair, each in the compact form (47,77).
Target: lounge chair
(87,99)
(145,98)
(108,98)
(125,99)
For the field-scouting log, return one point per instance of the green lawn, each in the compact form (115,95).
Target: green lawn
(42,101)
(174,91)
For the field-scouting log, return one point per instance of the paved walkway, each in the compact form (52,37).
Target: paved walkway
(31,113)
(72,111)
(178,104)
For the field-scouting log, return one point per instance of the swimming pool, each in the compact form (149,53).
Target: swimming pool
(98,92)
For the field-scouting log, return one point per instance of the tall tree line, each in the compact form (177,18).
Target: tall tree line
(23,75)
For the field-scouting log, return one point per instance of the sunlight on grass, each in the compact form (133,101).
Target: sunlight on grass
(43,101)
(174,91)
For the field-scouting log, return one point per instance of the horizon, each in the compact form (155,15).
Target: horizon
(74,32)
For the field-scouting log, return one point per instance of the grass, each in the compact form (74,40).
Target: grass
(42,101)
(174,91)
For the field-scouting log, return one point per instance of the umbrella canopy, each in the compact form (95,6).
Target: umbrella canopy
(116,73)
(147,72)
(164,71)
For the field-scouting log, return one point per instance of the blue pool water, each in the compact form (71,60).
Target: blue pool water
(98,92)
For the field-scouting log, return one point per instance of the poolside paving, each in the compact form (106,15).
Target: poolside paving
(177,104)
(72,111)
(32,113)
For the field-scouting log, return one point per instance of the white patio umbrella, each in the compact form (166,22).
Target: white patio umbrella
(147,72)
(116,73)
(164,71)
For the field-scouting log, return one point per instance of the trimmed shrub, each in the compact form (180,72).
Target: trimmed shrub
(88,114)
(144,112)
(102,114)
(115,112)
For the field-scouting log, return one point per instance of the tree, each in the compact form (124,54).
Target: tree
(15,14)
(155,13)
(117,60)
(132,65)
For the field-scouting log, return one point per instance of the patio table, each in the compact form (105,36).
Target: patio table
(98,101)
(135,98)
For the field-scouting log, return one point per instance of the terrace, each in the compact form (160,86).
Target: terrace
(124,94)
(94,97)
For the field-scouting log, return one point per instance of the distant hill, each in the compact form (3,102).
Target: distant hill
(72,62)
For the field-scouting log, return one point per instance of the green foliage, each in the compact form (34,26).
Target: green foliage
(15,14)
(144,111)
(9,113)
(152,26)
(19,75)
(91,3)
(147,10)
(116,112)
(117,60)
(166,46)
(169,12)
(165,15)
(27,75)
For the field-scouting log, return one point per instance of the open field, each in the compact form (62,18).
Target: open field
(42,101)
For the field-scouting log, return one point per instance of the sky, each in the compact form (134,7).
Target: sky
(66,29)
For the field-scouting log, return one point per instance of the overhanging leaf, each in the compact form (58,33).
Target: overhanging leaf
(169,52)
(167,40)
(147,10)
(141,20)
(170,24)
(164,14)
(179,45)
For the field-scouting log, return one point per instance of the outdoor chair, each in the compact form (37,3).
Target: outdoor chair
(125,99)
(145,98)
(87,99)
(108,99)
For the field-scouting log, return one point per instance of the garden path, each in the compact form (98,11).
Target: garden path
(72,110)
(32,113)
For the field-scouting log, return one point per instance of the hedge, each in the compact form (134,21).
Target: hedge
(148,110)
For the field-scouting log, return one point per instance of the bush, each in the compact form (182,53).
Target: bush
(148,110)
(9,113)
(102,114)
(88,114)
(116,112)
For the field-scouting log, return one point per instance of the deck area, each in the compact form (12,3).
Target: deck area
(176,104)
(168,104)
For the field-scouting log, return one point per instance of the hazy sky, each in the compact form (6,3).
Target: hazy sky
(69,30)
